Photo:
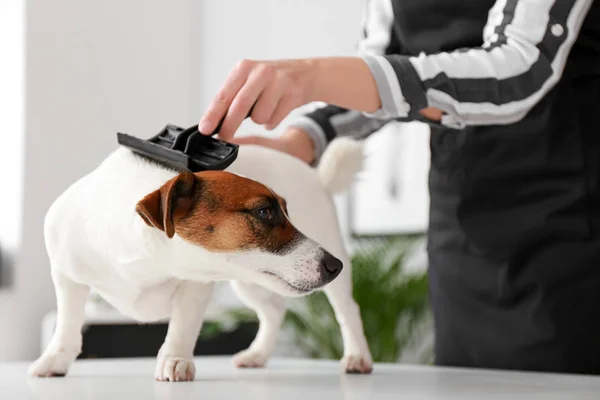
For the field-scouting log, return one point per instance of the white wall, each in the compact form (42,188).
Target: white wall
(12,36)
(93,68)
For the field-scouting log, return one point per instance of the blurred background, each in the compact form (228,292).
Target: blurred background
(73,73)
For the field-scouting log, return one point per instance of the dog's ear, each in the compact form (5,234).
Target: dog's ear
(173,200)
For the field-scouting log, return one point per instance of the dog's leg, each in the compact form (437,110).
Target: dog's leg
(270,309)
(66,341)
(175,357)
(357,357)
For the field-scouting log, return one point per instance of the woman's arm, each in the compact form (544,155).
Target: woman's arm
(521,59)
(526,45)
(277,87)
(327,122)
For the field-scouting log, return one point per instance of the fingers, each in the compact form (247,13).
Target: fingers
(269,89)
(222,101)
(434,114)
(260,79)
(268,101)
(285,105)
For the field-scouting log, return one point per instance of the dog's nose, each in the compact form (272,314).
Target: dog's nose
(330,267)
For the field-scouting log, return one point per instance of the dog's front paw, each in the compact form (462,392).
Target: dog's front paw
(52,363)
(175,369)
(357,364)
(250,359)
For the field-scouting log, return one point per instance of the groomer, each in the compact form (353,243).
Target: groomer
(511,91)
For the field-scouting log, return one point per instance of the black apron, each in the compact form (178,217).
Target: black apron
(514,236)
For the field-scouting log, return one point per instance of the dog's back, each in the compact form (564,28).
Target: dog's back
(96,215)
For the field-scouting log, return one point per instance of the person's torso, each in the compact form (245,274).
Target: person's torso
(432,26)
(501,188)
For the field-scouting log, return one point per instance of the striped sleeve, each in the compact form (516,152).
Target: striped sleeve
(327,122)
(526,45)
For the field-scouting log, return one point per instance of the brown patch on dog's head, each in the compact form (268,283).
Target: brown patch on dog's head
(220,211)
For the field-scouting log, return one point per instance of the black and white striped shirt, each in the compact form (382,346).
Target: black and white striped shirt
(501,58)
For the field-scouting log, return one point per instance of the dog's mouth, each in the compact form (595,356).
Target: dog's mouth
(297,289)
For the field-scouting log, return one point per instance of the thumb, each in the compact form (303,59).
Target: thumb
(248,140)
(273,143)
(258,140)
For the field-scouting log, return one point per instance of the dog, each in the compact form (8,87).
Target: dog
(152,241)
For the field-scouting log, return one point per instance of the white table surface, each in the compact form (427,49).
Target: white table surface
(290,379)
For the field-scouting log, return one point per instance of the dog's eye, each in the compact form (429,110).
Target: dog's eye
(265,213)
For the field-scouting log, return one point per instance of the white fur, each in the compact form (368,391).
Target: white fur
(343,161)
(95,239)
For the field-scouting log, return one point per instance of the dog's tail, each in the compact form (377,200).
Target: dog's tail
(340,162)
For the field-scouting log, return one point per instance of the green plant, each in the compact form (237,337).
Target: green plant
(393,302)
(228,321)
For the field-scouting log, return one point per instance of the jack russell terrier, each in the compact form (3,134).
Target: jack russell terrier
(152,242)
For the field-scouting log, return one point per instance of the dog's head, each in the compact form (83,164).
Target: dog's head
(245,225)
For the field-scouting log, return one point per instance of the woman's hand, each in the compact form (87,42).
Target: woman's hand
(274,88)
(293,141)
(277,87)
